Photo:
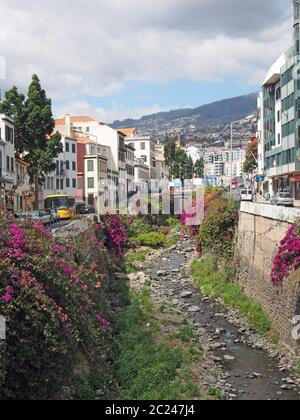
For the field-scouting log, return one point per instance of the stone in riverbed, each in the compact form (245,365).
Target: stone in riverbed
(217,346)
(161,273)
(228,358)
(194,309)
(186,294)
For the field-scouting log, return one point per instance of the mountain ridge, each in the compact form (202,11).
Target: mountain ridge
(222,111)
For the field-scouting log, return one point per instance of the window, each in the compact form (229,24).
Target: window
(67,165)
(9,134)
(68,182)
(73,148)
(90,165)
(288,102)
(12,165)
(144,158)
(7,163)
(74,166)
(278,116)
(57,184)
(74,183)
(287,77)
(143,146)
(61,184)
(91,183)
(67,147)
(288,129)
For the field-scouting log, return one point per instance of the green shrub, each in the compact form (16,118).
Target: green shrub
(152,239)
(207,275)
(139,226)
(173,222)
(217,232)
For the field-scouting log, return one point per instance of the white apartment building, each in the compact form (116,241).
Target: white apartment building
(162,171)
(144,150)
(95,169)
(141,175)
(130,167)
(104,135)
(7,159)
(224,162)
(64,179)
(24,193)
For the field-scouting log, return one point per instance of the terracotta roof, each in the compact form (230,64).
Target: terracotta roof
(76,119)
(85,140)
(127,131)
(21,162)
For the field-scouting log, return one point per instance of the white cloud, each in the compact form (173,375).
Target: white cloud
(117,112)
(94,47)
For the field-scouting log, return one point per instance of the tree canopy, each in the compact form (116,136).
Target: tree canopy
(251,162)
(35,139)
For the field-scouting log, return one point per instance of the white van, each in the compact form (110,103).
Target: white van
(246,195)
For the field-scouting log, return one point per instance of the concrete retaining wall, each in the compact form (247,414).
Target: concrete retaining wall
(74,229)
(261,228)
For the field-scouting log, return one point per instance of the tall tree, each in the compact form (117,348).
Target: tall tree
(180,165)
(35,127)
(170,155)
(189,167)
(199,168)
(13,106)
(251,162)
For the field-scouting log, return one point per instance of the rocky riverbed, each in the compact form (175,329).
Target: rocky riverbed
(239,363)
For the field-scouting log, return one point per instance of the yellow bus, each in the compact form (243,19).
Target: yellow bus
(64,205)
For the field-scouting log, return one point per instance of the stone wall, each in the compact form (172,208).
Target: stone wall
(261,228)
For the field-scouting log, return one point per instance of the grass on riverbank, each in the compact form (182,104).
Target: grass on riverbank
(214,284)
(155,353)
(133,257)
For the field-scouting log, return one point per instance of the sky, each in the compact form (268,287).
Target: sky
(115,59)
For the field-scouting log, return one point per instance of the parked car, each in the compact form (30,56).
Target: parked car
(283,198)
(246,195)
(54,216)
(89,209)
(79,206)
(40,216)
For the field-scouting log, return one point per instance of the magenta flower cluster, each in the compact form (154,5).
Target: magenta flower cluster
(116,233)
(287,258)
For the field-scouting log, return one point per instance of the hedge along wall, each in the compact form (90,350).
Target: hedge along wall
(261,229)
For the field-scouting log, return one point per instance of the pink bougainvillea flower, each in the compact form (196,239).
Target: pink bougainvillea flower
(7,298)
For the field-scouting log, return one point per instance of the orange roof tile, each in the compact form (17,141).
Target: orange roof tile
(85,140)
(127,131)
(76,119)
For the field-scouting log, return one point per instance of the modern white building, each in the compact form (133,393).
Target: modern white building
(224,163)
(7,159)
